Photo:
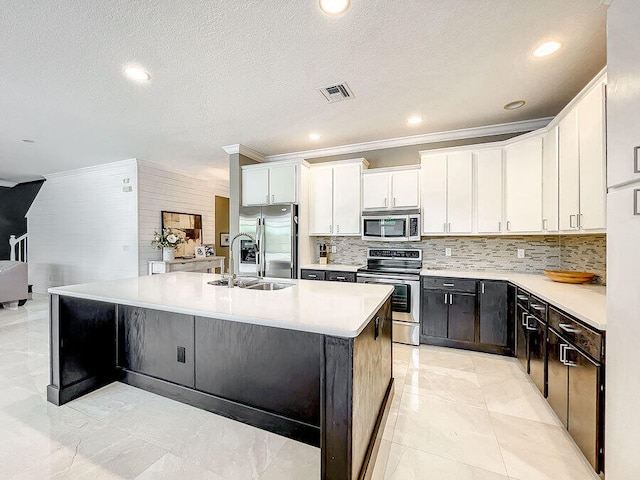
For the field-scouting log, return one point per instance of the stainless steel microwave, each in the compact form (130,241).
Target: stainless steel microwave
(391,227)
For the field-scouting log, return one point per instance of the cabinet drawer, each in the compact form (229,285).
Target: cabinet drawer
(341,276)
(538,308)
(182,267)
(522,297)
(464,285)
(312,274)
(583,337)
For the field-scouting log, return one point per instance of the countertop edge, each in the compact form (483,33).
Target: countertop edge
(224,316)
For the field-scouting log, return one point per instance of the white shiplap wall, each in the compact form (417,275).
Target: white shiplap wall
(161,189)
(83,228)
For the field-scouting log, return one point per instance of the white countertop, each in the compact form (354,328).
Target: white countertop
(587,302)
(333,267)
(329,308)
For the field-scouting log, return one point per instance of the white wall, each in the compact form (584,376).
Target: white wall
(82,227)
(161,189)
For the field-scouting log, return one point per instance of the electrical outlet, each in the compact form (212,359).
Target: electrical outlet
(447,252)
(334,249)
(521,253)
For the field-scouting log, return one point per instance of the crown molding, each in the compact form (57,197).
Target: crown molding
(464,133)
(95,168)
(244,150)
(7,183)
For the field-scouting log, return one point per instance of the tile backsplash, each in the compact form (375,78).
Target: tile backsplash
(575,252)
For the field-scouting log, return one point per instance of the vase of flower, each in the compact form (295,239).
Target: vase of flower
(167,241)
(168,254)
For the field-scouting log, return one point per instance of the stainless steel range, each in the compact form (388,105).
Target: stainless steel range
(399,267)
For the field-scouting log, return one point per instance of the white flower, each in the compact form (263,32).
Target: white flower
(172,238)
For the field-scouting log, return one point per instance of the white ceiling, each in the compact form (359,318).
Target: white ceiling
(247,71)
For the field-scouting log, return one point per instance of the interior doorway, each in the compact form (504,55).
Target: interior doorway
(222,226)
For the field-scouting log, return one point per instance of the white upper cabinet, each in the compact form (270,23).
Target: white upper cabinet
(569,171)
(255,186)
(447,193)
(434,193)
(334,197)
(375,191)
(489,190)
(550,181)
(391,189)
(593,175)
(582,164)
(523,186)
(266,185)
(320,200)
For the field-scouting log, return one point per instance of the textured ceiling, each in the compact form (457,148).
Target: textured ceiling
(246,71)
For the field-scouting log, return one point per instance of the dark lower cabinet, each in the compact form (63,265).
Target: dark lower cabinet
(575,383)
(434,314)
(493,313)
(462,317)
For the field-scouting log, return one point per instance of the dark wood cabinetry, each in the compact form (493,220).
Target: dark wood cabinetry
(465,313)
(576,382)
(329,275)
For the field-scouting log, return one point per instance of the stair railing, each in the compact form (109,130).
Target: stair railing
(18,248)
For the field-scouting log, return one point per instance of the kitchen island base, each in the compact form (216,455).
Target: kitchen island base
(327,391)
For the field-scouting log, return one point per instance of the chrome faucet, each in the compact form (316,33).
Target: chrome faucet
(232,275)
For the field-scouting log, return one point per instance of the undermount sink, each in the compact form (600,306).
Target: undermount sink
(251,283)
(269,286)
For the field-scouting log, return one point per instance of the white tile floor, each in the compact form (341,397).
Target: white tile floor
(455,415)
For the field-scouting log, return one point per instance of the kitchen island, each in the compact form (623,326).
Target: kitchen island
(311,362)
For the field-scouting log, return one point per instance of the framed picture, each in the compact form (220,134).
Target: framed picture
(189,226)
(224,239)
(201,251)
(210,250)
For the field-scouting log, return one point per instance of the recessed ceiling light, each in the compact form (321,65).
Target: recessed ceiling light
(334,7)
(415,120)
(514,105)
(314,136)
(28,140)
(547,48)
(137,74)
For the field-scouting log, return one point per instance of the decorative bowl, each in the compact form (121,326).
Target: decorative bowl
(567,276)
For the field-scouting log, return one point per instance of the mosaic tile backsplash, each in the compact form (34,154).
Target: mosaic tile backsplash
(577,252)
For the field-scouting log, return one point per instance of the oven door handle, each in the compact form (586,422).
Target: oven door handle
(385,279)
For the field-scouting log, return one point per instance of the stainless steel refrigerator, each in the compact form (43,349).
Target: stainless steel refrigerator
(275,228)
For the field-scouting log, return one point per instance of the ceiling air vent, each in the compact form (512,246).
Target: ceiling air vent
(337,92)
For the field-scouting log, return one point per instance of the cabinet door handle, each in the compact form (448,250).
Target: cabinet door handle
(273,198)
(444,228)
(579,220)
(482,284)
(448,285)
(568,362)
(535,306)
(445,298)
(562,353)
(636,201)
(524,319)
(451,299)
(330,228)
(394,201)
(499,226)
(508,225)
(449,227)
(385,201)
(544,224)
(337,228)
(341,278)
(569,328)
(636,157)
(522,297)
(571,218)
(312,276)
